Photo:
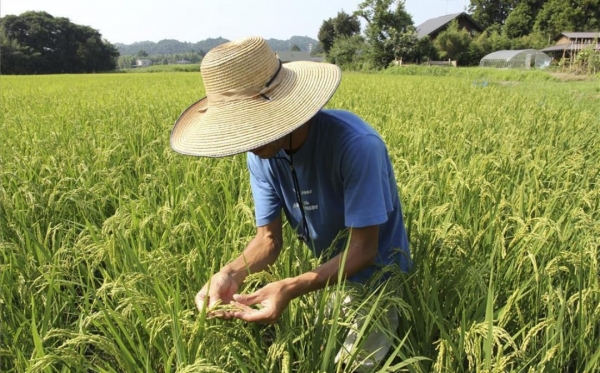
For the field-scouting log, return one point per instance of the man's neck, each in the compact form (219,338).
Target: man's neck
(298,138)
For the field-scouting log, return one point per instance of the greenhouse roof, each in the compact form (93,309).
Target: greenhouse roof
(507,54)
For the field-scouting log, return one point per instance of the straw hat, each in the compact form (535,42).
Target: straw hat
(251,99)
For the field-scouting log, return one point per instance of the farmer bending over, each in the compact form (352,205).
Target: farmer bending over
(327,170)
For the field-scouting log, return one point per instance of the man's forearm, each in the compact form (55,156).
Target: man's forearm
(357,259)
(260,253)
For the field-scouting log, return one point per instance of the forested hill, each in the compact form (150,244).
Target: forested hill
(169,46)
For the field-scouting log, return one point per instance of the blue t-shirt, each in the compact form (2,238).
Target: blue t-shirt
(346,180)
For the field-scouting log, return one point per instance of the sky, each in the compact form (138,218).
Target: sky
(128,21)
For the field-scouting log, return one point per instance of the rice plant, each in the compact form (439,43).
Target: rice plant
(106,234)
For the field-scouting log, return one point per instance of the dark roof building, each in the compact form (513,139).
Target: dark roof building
(433,27)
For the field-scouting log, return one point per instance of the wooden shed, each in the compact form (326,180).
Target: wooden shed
(568,44)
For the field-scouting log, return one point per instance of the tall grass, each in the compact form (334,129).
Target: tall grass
(106,234)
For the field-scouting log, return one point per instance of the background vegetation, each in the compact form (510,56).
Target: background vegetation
(508,24)
(106,234)
(38,43)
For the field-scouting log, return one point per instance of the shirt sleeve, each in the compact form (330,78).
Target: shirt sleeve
(366,180)
(267,204)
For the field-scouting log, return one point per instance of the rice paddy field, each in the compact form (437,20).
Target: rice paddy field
(106,235)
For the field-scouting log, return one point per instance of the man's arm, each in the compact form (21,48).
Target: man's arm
(260,253)
(362,251)
(275,297)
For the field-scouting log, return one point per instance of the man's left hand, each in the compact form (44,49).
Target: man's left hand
(272,300)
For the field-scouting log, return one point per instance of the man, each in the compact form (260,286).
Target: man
(326,169)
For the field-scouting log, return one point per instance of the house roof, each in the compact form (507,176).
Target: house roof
(570,47)
(432,25)
(579,35)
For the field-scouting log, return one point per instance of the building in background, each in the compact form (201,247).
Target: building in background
(433,27)
(516,59)
(569,44)
(142,63)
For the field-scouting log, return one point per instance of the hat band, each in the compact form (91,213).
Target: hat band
(244,93)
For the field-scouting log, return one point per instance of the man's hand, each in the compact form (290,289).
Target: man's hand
(272,299)
(221,287)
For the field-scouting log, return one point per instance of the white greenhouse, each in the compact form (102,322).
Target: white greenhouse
(518,59)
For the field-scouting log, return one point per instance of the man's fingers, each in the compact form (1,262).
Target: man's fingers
(252,315)
(201,300)
(241,307)
(220,315)
(249,316)
(247,299)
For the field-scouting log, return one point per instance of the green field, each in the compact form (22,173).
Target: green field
(106,235)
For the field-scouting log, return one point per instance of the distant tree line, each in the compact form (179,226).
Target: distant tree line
(390,33)
(169,51)
(38,43)
(168,48)
(304,43)
(127,61)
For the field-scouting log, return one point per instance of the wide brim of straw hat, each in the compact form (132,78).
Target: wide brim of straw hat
(233,127)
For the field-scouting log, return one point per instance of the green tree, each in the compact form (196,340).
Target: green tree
(477,50)
(426,50)
(554,18)
(15,58)
(586,15)
(453,44)
(125,62)
(348,51)
(407,46)
(343,25)
(346,25)
(142,53)
(489,41)
(36,42)
(534,40)
(489,12)
(498,41)
(480,46)
(519,22)
(518,16)
(295,48)
(546,18)
(317,50)
(326,35)
(384,22)
(558,16)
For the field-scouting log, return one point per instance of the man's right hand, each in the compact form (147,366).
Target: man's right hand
(221,286)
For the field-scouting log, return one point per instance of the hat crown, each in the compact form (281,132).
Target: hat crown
(245,63)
